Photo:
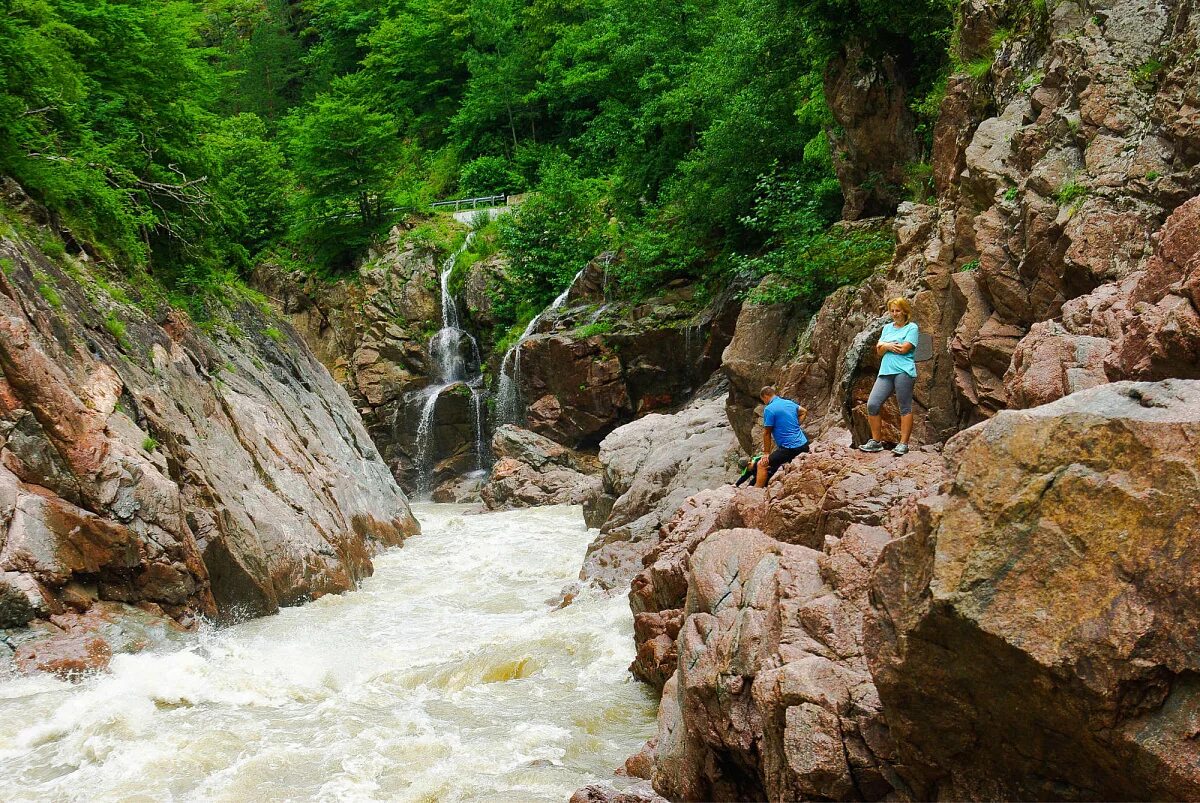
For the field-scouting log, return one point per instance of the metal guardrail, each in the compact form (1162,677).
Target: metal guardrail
(458,204)
(471,203)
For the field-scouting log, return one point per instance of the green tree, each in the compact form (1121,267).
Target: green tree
(262,56)
(343,155)
(489,174)
(252,180)
(550,238)
(417,66)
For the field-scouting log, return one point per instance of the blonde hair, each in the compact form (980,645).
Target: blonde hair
(903,305)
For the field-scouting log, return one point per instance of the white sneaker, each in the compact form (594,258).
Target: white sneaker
(900,448)
(872,446)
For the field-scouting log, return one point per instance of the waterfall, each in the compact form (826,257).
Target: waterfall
(508,403)
(455,359)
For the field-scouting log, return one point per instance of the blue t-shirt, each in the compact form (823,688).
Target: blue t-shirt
(894,363)
(781,416)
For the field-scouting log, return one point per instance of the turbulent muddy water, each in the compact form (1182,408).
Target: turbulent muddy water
(447,676)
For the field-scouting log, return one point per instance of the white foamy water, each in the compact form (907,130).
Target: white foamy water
(446,676)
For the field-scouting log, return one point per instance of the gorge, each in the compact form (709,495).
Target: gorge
(212,580)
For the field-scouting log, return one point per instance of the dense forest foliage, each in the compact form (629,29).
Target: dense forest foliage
(191,138)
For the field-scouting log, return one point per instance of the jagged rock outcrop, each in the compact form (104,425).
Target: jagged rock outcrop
(1052,173)
(1145,327)
(769,696)
(827,362)
(595,363)
(606,793)
(1024,643)
(874,140)
(533,470)
(651,466)
(146,463)
(1032,633)
(373,333)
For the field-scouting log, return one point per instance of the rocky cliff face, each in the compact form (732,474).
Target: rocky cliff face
(852,632)
(750,614)
(533,470)
(146,463)
(1053,174)
(651,466)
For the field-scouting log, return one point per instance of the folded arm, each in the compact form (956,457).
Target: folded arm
(903,347)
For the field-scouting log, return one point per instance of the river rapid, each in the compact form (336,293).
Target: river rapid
(446,676)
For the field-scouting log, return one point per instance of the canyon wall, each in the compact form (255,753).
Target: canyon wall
(372,331)
(1053,173)
(1001,614)
(151,471)
(598,362)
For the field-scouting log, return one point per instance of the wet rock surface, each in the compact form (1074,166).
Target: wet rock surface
(533,470)
(145,462)
(1029,634)
(607,793)
(596,364)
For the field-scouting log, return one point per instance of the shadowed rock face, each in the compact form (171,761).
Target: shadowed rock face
(1145,327)
(653,355)
(373,337)
(874,140)
(1033,636)
(143,462)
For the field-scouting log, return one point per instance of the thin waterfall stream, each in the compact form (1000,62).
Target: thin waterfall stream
(448,675)
(455,359)
(508,401)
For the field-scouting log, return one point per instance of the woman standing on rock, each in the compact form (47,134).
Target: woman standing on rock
(897,373)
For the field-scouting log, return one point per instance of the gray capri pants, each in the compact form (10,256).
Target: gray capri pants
(901,383)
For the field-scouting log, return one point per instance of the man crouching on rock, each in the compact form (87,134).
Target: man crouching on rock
(781,422)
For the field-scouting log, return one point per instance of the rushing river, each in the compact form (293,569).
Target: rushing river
(446,676)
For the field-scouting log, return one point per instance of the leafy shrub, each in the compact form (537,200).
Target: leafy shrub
(489,175)
(1071,192)
(1148,72)
(116,328)
(46,290)
(550,238)
(804,258)
(597,328)
(918,181)
(980,67)
(813,267)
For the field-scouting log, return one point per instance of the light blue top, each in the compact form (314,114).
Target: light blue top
(782,416)
(894,363)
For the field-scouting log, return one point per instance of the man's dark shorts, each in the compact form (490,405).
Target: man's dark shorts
(782,455)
